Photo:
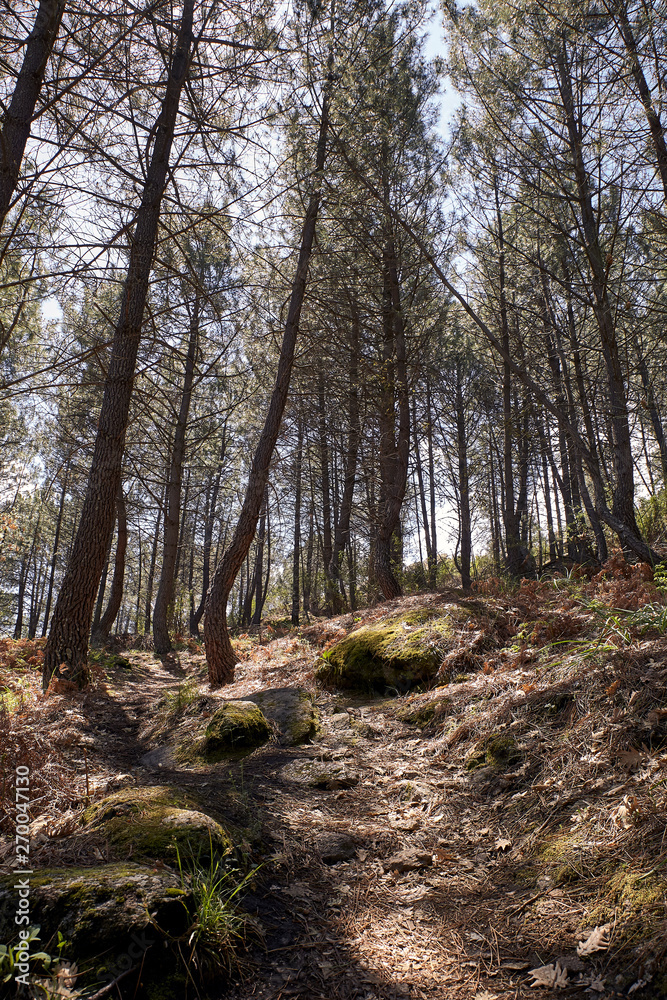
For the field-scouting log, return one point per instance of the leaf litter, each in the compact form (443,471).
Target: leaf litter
(515,863)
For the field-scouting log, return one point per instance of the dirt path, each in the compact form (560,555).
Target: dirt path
(388,868)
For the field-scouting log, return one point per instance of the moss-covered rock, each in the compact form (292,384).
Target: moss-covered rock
(157,822)
(238,725)
(291,710)
(399,652)
(100,909)
(496,750)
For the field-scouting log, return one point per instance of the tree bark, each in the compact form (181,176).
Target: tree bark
(66,651)
(296,552)
(54,554)
(19,116)
(219,652)
(165,593)
(464,488)
(342,533)
(116,595)
(394,442)
(209,523)
(623,487)
(258,575)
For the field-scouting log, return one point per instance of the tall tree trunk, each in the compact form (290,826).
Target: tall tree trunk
(342,533)
(20,598)
(116,595)
(394,442)
(464,488)
(19,115)
(513,557)
(623,487)
(209,522)
(433,557)
(308,568)
(101,590)
(23,581)
(165,593)
(140,567)
(66,649)
(327,541)
(296,552)
(259,561)
(421,492)
(54,554)
(148,606)
(219,652)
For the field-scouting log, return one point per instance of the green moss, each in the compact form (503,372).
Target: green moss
(400,651)
(157,822)
(494,751)
(635,899)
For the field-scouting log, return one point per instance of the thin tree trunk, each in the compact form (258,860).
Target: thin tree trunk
(394,448)
(54,555)
(165,594)
(623,487)
(433,558)
(20,113)
(259,561)
(151,575)
(327,541)
(296,552)
(116,595)
(23,579)
(342,533)
(219,652)
(209,523)
(66,650)
(464,488)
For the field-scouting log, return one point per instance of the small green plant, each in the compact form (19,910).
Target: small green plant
(218,930)
(660,577)
(13,956)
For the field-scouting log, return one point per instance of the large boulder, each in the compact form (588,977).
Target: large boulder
(157,822)
(101,909)
(398,652)
(292,712)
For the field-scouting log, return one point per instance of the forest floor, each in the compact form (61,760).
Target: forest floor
(499,834)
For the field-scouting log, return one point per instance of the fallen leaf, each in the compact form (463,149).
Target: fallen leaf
(597,940)
(654,716)
(630,758)
(502,844)
(613,688)
(549,975)
(597,985)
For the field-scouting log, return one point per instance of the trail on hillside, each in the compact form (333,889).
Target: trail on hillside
(400,853)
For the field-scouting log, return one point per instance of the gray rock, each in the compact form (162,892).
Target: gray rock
(101,908)
(321,774)
(291,710)
(410,860)
(335,847)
